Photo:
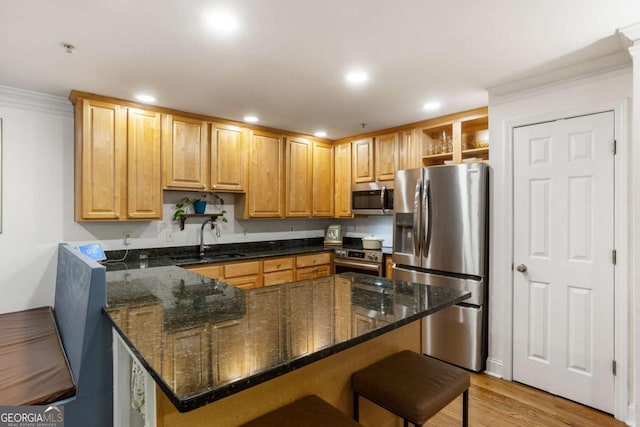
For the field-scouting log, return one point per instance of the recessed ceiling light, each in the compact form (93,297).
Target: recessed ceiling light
(320,134)
(431,106)
(222,21)
(250,119)
(357,77)
(143,97)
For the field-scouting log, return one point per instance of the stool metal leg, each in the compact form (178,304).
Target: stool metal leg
(356,406)
(465,408)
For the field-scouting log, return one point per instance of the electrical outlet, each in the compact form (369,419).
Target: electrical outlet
(169,235)
(291,229)
(126,236)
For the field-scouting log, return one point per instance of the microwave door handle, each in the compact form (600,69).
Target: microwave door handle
(416,217)
(383,196)
(426,224)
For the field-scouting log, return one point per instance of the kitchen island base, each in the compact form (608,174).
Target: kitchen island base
(329,378)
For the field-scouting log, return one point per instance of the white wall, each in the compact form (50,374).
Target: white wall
(583,95)
(38,205)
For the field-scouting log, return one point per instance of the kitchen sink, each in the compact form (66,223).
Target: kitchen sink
(190,259)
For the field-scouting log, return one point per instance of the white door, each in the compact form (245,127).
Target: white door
(563,269)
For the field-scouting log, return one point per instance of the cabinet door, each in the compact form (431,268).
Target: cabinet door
(265,193)
(265,311)
(229,350)
(342,156)
(186,156)
(323,179)
(408,155)
(244,275)
(323,315)
(386,156)
(142,323)
(211,271)
(144,176)
(299,306)
(100,160)
(228,158)
(299,157)
(187,374)
(362,160)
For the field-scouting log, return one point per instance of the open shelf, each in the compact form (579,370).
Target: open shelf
(212,216)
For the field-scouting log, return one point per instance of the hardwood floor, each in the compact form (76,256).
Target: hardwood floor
(496,403)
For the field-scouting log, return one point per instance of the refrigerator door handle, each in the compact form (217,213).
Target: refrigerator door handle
(417,235)
(426,228)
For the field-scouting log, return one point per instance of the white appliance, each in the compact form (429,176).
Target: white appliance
(441,238)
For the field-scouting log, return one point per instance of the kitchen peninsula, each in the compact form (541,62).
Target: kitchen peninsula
(221,355)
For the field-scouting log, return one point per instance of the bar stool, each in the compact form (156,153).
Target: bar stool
(412,386)
(310,411)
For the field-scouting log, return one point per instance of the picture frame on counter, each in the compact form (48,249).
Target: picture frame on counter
(333,235)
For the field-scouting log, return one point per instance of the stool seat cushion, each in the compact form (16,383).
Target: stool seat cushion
(412,385)
(310,411)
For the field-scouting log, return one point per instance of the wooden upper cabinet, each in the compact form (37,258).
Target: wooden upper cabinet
(265,194)
(362,160)
(386,156)
(408,155)
(118,175)
(100,157)
(186,156)
(228,158)
(342,187)
(298,177)
(323,179)
(144,176)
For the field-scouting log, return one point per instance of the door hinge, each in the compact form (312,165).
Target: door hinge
(614,257)
(614,367)
(614,147)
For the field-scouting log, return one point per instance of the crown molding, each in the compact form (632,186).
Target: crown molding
(632,32)
(606,64)
(35,101)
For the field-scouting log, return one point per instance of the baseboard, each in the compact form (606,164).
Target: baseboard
(631,415)
(494,368)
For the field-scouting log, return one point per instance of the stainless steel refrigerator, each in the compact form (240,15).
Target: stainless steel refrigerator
(440,237)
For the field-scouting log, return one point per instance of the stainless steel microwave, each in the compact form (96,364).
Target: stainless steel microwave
(372,198)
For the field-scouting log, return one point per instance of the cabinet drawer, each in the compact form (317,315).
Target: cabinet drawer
(313,259)
(241,269)
(212,271)
(245,282)
(277,264)
(277,277)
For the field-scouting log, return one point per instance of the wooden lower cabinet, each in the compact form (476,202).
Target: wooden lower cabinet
(299,306)
(388,268)
(136,319)
(210,271)
(313,265)
(277,271)
(313,272)
(186,373)
(229,338)
(265,307)
(243,274)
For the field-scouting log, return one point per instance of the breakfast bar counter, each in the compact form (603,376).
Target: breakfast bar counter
(204,341)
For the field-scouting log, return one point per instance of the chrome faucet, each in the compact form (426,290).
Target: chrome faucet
(213,226)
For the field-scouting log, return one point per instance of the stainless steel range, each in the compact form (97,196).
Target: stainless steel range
(363,261)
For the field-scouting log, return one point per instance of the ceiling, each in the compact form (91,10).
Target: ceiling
(287,61)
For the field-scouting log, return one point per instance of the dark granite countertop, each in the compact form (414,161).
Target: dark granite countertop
(202,340)
(188,255)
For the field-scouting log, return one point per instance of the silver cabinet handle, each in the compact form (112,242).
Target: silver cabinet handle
(521,268)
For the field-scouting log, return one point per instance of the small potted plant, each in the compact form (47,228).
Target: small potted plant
(199,206)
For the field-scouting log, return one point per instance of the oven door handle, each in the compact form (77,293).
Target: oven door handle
(356,264)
